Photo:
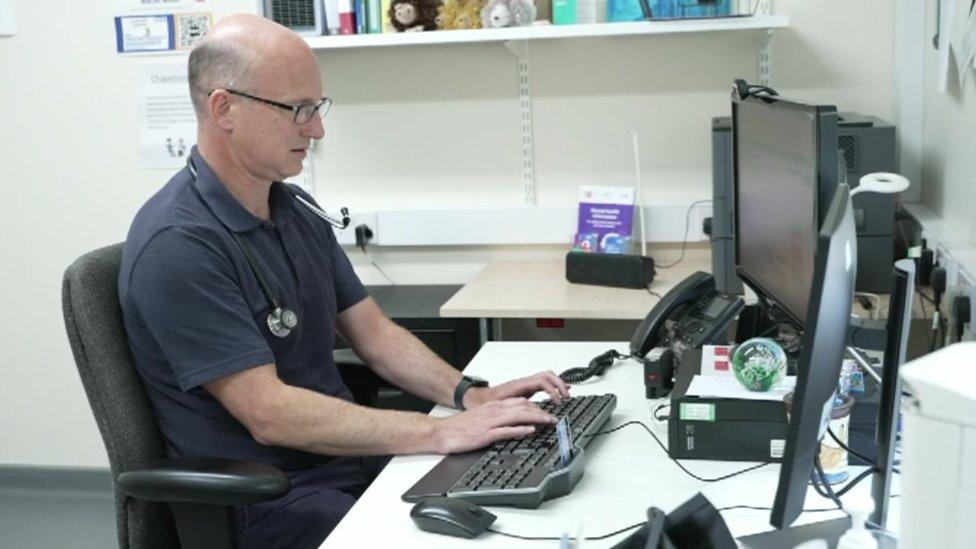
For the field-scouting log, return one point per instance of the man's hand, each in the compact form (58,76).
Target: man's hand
(484,424)
(522,387)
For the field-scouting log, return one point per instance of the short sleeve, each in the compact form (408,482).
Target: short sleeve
(348,288)
(187,294)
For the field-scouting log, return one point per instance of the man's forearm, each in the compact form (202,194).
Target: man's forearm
(403,360)
(306,420)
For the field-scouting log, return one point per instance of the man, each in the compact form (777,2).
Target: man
(196,309)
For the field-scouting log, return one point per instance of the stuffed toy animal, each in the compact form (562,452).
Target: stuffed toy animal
(507,13)
(413,15)
(459,14)
(446,14)
(469,16)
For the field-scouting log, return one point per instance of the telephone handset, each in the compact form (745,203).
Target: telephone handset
(699,312)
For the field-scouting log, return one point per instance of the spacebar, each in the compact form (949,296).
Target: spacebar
(439,479)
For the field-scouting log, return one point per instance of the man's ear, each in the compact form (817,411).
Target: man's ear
(218,107)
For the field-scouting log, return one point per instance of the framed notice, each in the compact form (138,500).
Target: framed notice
(142,33)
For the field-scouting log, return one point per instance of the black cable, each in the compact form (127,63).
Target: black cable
(596,367)
(587,538)
(846,448)
(653,293)
(826,485)
(853,482)
(375,266)
(925,314)
(753,508)
(880,529)
(769,330)
(684,241)
(676,462)
(658,409)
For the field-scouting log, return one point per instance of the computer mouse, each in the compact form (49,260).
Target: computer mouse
(452,517)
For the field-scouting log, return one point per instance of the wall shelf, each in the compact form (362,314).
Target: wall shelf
(548,32)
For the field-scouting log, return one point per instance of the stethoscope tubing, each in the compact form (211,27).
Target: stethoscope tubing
(281,320)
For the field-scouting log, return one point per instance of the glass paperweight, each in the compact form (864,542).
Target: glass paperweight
(759,364)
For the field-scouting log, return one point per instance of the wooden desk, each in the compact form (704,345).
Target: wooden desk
(538,289)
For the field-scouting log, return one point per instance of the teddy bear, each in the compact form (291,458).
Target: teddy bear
(413,15)
(469,16)
(459,14)
(507,13)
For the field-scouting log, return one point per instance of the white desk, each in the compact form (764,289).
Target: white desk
(626,471)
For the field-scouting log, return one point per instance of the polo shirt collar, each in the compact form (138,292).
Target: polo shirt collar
(227,209)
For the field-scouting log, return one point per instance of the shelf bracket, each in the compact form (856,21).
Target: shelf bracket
(520,49)
(766,57)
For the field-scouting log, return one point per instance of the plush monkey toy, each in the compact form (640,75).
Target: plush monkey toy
(413,15)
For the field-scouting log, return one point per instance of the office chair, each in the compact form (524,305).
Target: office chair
(158,502)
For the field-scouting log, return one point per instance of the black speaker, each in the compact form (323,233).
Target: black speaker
(621,270)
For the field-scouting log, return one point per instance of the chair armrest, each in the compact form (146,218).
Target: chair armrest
(208,481)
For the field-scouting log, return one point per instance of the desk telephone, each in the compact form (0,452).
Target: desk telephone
(692,314)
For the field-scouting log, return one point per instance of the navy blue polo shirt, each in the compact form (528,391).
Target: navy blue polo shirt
(194,311)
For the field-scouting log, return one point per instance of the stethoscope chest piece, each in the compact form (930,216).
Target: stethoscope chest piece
(282,321)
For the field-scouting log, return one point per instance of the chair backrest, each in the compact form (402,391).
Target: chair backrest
(93,318)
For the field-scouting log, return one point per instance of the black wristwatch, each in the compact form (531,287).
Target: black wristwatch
(466,383)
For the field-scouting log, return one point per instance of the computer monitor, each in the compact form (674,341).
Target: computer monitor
(822,350)
(785,167)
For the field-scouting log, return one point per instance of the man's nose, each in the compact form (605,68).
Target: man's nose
(314,128)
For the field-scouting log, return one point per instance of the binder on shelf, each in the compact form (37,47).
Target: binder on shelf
(359,6)
(347,18)
(374,17)
(332,21)
(385,25)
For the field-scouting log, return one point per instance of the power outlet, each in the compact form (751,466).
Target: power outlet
(952,320)
(696,218)
(347,236)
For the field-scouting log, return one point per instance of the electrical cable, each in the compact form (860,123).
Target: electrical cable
(826,485)
(375,266)
(880,529)
(653,293)
(596,367)
(846,448)
(858,455)
(676,462)
(754,508)
(853,482)
(587,538)
(658,409)
(684,241)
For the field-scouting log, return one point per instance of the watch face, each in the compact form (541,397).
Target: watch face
(477,381)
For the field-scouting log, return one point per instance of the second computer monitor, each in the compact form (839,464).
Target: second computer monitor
(785,166)
(822,351)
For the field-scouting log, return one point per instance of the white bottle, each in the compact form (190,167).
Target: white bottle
(858,536)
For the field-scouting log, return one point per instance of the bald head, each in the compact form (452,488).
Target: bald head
(239,50)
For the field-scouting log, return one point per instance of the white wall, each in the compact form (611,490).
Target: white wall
(948,161)
(419,127)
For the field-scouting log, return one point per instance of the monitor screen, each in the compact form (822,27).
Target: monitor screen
(822,351)
(779,176)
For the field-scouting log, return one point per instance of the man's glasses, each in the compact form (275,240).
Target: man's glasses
(301,113)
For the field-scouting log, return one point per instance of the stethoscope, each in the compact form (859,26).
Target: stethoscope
(281,320)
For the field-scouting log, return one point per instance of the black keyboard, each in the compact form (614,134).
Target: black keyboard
(520,472)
